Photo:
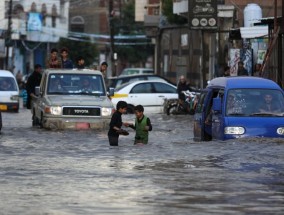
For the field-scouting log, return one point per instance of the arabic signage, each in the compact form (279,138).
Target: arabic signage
(202,14)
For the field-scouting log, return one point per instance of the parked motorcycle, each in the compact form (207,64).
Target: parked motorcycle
(174,107)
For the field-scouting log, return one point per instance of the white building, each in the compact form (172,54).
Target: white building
(35,24)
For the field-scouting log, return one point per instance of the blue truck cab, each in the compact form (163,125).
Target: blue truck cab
(239,107)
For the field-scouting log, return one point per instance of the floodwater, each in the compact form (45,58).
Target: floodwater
(77,172)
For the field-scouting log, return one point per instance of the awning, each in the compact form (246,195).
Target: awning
(254,31)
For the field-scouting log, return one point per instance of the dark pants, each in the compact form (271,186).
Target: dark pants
(29,101)
(113,140)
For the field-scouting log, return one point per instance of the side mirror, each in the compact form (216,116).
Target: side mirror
(111,91)
(37,91)
(217,105)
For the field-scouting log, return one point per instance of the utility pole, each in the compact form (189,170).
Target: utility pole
(111,29)
(9,33)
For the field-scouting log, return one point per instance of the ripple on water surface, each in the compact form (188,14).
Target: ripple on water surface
(77,172)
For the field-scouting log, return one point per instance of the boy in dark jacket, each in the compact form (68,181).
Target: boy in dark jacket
(142,125)
(116,123)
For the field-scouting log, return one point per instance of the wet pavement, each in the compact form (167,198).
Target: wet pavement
(77,172)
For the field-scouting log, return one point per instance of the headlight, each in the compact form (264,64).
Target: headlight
(280,131)
(54,110)
(15,97)
(234,130)
(106,111)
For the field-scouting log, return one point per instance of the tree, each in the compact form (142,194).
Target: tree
(167,10)
(125,25)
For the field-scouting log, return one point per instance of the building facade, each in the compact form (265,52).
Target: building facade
(201,54)
(33,26)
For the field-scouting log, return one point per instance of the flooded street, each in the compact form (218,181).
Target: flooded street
(77,172)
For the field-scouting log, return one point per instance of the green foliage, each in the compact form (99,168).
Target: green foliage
(125,25)
(79,48)
(167,10)
(131,55)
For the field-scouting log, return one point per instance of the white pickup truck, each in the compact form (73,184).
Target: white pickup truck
(72,99)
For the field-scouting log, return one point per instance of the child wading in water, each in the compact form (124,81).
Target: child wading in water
(142,125)
(116,123)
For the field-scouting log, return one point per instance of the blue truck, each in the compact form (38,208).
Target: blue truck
(239,107)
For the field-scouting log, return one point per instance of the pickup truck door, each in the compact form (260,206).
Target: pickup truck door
(203,107)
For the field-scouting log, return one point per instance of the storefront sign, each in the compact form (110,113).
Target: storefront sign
(202,14)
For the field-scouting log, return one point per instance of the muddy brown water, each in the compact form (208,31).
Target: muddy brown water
(77,172)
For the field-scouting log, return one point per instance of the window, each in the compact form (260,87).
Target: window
(76,84)
(253,102)
(77,24)
(44,13)
(53,15)
(33,7)
(7,84)
(142,88)
(147,71)
(200,104)
(164,88)
(18,11)
(131,80)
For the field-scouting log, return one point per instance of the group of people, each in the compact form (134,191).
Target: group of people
(63,61)
(242,71)
(142,125)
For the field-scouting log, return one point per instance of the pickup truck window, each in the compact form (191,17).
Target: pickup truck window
(79,84)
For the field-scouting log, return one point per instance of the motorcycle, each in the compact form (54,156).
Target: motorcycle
(174,107)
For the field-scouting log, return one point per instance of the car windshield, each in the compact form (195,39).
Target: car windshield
(8,84)
(254,102)
(84,84)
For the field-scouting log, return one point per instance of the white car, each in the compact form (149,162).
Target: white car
(136,71)
(150,94)
(9,92)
